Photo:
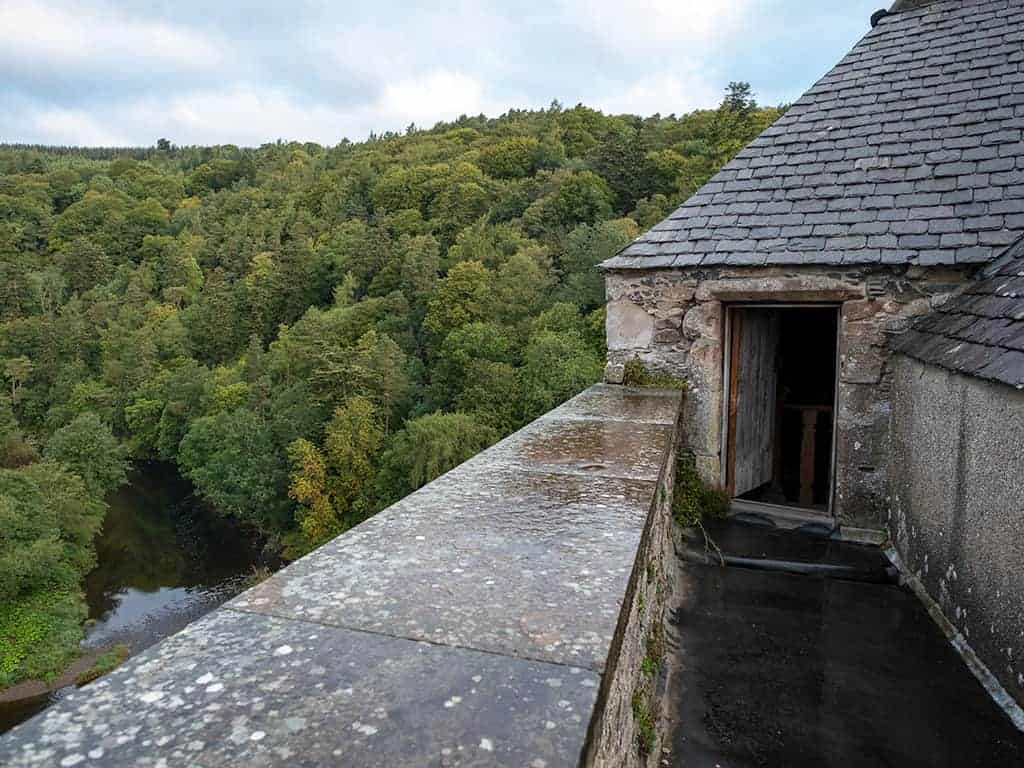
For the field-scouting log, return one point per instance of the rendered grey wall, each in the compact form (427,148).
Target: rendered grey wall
(956,510)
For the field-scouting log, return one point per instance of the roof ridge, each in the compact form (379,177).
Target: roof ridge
(910,5)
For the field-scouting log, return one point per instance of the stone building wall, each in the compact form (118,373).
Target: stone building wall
(956,511)
(673,321)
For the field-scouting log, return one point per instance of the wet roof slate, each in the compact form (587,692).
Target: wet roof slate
(980,331)
(908,152)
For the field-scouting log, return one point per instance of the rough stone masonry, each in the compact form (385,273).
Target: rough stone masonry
(672,320)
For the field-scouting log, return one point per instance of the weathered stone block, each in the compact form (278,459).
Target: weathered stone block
(614,373)
(706,359)
(860,309)
(861,332)
(861,365)
(803,287)
(628,326)
(703,320)
(709,469)
(864,446)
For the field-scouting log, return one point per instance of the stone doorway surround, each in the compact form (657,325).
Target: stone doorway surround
(807,503)
(673,321)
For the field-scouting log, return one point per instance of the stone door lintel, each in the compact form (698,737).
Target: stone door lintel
(809,289)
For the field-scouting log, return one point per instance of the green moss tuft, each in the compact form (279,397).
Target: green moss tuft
(655,651)
(692,499)
(649,666)
(646,726)
(646,732)
(635,374)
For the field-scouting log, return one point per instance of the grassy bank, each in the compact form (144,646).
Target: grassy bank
(39,635)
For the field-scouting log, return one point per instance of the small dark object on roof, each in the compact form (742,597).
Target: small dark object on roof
(878,15)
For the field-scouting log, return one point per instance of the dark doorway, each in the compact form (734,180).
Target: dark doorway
(781,404)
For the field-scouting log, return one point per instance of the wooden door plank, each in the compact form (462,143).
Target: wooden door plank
(755,394)
(735,342)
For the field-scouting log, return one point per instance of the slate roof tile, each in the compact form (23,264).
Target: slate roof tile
(980,331)
(910,151)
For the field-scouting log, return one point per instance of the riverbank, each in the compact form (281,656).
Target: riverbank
(21,700)
(93,663)
(163,560)
(40,635)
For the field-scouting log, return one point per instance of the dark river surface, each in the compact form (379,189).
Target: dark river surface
(163,560)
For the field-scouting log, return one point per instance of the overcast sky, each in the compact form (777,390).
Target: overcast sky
(203,72)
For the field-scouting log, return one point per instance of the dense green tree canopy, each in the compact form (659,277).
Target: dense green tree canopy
(87,447)
(311,332)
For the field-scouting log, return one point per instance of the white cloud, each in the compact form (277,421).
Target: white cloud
(244,116)
(114,71)
(438,95)
(663,92)
(60,125)
(36,36)
(254,115)
(659,23)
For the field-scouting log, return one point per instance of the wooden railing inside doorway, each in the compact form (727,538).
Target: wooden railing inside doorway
(808,447)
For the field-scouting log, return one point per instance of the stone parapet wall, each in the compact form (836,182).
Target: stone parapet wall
(630,691)
(956,513)
(673,321)
(495,617)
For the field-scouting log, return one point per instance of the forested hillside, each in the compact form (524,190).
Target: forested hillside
(308,333)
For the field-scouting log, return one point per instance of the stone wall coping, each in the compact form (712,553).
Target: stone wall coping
(471,623)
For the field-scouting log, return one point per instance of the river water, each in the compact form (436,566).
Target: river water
(163,560)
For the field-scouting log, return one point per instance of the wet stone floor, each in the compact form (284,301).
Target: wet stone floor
(776,669)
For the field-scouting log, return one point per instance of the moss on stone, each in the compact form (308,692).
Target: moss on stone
(654,652)
(647,735)
(694,500)
(635,374)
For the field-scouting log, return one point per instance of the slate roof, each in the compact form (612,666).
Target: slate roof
(908,151)
(980,332)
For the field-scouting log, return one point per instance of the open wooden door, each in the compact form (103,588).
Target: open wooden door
(753,374)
